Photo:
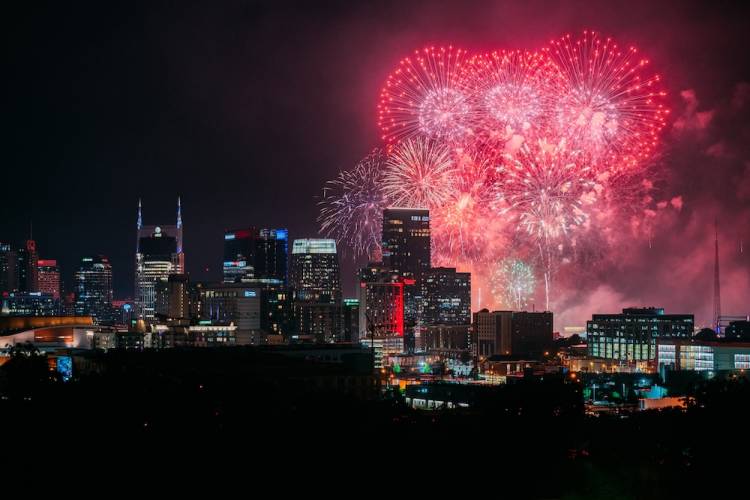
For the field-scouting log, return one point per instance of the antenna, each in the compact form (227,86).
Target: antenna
(717,281)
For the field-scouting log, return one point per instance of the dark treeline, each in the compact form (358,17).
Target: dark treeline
(531,436)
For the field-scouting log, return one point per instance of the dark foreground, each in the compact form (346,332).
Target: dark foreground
(260,411)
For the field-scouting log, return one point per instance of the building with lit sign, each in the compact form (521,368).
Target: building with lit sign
(159,253)
(235,304)
(48,278)
(28,304)
(316,283)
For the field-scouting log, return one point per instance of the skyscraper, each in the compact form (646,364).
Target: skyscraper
(26,268)
(271,255)
(48,277)
(159,253)
(317,289)
(8,268)
(239,254)
(93,284)
(406,251)
(406,241)
(255,256)
(381,304)
(172,299)
(446,297)
(315,270)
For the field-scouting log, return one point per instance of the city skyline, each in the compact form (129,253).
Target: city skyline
(220,172)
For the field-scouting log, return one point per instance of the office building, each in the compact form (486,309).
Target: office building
(685,354)
(406,241)
(234,303)
(255,256)
(446,297)
(531,334)
(381,303)
(271,255)
(350,320)
(93,289)
(632,335)
(317,289)
(492,332)
(28,304)
(239,254)
(315,271)
(159,253)
(26,268)
(172,300)
(8,268)
(48,277)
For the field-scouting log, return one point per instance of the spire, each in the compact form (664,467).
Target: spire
(179,213)
(717,281)
(139,224)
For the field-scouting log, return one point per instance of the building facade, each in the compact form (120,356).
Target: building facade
(159,253)
(93,289)
(632,335)
(48,277)
(446,297)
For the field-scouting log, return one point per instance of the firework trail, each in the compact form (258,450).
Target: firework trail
(513,283)
(461,229)
(418,173)
(425,96)
(548,189)
(351,209)
(609,107)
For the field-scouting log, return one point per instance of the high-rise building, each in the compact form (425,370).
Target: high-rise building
(277,311)
(381,303)
(406,251)
(48,277)
(315,271)
(255,256)
(406,241)
(446,297)
(350,320)
(93,284)
(271,255)
(26,268)
(632,335)
(159,253)
(172,300)
(8,268)
(239,254)
(317,289)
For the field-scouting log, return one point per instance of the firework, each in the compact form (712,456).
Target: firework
(548,189)
(540,155)
(418,173)
(609,106)
(513,91)
(462,229)
(351,210)
(426,96)
(513,283)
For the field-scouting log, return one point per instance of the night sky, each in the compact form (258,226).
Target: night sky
(245,109)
